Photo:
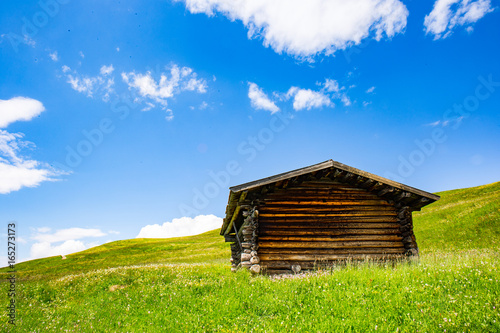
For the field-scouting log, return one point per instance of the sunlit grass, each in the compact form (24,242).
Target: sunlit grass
(185,285)
(463,219)
(456,292)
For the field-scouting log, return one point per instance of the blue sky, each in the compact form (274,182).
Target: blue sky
(125,119)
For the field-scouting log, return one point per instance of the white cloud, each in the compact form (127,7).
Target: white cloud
(82,55)
(307,99)
(445,123)
(330,85)
(91,85)
(370,90)
(259,100)
(307,28)
(67,234)
(54,56)
(449,14)
(68,239)
(203,105)
(159,91)
(107,70)
(16,171)
(19,108)
(184,226)
(46,249)
(82,84)
(148,106)
(345,100)
(302,98)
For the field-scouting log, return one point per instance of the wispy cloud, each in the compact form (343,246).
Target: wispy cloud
(302,98)
(16,170)
(444,123)
(54,56)
(107,70)
(91,85)
(259,100)
(446,15)
(370,90)
(160,90)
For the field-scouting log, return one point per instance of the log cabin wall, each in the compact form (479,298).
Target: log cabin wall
(320,215)
(318,223)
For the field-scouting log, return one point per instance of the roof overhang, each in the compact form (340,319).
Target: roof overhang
(335,171)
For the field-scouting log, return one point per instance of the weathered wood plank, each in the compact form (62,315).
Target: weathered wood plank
(316,202)
(319,190)
(330,238)
(329,245)
(327,226)
(345,213)
(326,219)
(330,251)
(323,209)
(323,232)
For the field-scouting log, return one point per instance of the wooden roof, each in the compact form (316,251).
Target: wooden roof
(329,170)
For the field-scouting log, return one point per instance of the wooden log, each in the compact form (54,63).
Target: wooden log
(332,209)
(331,232)
(322,197)
(345,213)
(331,238)
(385,191)
(404,213)
(267,259)
(229,238)
(330,245)
(343,189)
(405,228)
(402,196)
(326,219)
(326,225)
(376,186)
(367,184)
(312,204)
(331,251)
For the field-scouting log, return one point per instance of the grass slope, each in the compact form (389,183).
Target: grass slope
(462,219)
(206,247)
(184,284)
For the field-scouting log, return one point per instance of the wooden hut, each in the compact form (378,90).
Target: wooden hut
(319,215)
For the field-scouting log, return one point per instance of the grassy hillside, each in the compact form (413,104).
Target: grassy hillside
(207,248)
(462,219)
(184,284)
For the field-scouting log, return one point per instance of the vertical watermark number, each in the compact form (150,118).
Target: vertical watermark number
(11,256)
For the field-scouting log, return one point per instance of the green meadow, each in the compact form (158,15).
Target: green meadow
(185,284)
